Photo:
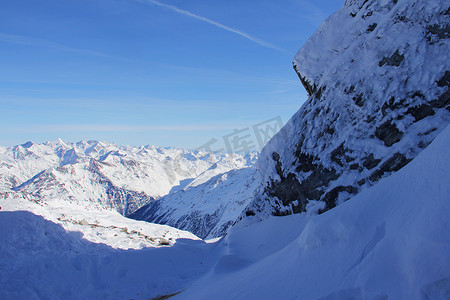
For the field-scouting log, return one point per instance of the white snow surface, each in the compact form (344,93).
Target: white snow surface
(95,224)
(40,260)
(391,241)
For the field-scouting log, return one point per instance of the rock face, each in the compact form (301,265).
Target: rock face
(377,74)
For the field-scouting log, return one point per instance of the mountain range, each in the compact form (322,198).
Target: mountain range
(104,175)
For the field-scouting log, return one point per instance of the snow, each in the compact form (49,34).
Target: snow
(391,241)
(39,260)
(95,224)
(207,209)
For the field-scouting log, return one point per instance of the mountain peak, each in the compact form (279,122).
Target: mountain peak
(27,145)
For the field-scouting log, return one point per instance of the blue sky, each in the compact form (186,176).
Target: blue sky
(166,72)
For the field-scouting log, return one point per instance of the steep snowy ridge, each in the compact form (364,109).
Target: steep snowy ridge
(378,77)
(207,210)
(100,175)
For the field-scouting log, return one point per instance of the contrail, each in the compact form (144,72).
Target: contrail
(217,24)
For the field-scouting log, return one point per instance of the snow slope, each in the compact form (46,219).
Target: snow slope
(391,241)
(378,76)
(95,224)
(40,260)
(208,209)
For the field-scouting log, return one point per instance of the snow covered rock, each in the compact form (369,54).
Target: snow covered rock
(378,75)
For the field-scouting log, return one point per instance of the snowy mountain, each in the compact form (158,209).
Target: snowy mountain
(99,175)
(378,77)
(208,209)
(391,241)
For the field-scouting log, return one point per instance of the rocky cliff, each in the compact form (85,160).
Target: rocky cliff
(377,74)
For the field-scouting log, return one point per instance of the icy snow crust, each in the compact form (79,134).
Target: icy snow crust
(391,241)
(378,76)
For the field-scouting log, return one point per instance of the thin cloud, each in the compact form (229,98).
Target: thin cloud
(37,42)
(217,24)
